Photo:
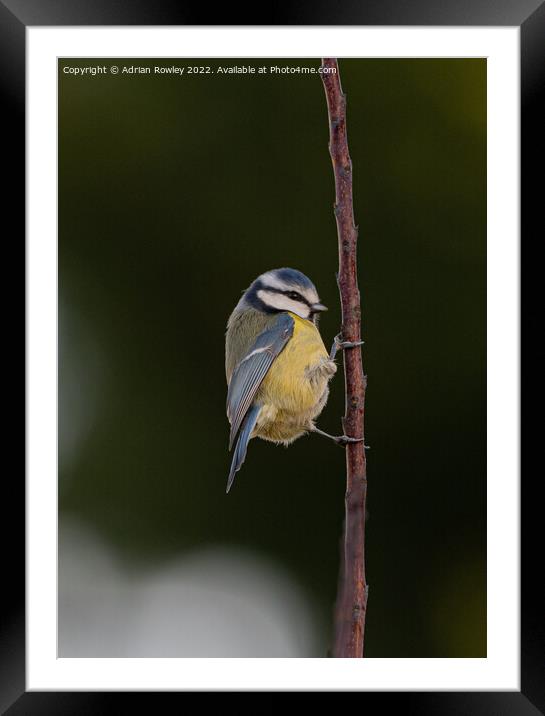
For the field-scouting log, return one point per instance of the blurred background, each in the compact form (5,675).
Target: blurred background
(175,192)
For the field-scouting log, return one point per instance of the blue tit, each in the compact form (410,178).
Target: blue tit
(277,366)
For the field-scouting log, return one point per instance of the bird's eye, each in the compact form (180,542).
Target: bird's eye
(294,295)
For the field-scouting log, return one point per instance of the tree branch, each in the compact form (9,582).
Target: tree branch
(351,603)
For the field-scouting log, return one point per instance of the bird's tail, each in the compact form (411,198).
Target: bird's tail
(242,443)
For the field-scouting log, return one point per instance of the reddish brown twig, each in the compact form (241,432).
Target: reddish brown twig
(351,604)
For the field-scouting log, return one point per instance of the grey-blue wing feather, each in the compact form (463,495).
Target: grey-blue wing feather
(242,443)
(251,370)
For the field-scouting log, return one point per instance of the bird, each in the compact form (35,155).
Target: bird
(276,364)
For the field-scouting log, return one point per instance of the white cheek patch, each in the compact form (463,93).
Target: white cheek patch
(283,303)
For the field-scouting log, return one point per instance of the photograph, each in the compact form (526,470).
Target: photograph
(272,357)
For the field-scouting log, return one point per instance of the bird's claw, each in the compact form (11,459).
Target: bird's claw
(346,344)
(338,343)
(344,440)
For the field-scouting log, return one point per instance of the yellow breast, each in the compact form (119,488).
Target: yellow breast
(287,386)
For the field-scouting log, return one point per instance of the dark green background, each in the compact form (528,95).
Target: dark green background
(174,193)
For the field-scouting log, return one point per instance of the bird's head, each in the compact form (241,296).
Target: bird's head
(284,289)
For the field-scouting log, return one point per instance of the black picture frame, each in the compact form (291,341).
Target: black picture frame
(15,16)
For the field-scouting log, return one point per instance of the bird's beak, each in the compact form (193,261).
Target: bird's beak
(318,308)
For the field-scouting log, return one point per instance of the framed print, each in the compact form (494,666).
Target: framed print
(196,196)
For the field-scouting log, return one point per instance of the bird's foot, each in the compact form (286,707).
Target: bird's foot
(342,440)
(345,440)
(339,344)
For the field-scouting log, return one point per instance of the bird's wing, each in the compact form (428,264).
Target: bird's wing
(251,370)
(239,454)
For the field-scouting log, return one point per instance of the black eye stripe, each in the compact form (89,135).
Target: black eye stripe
(294,295)
(283,292)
